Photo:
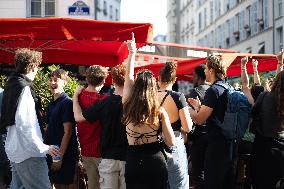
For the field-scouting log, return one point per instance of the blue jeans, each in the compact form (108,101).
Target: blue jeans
(30,174)
(178,165)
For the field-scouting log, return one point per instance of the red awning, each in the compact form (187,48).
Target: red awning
(185,68)
(266,62)
(71,41)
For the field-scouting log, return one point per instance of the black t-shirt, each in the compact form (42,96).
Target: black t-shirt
(113,133)
(215,98)
(59,112)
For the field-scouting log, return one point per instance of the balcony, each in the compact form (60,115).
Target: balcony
(247,27)
(236,33)
(260,21)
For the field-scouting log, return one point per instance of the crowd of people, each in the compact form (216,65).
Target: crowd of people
(137,137)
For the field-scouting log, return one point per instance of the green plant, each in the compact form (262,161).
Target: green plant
(42,88)
(3,80)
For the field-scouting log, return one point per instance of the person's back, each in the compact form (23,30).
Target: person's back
(145,163)
(89,134)
(177,109)
(113,141)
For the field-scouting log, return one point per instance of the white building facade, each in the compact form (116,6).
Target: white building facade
(89,9)
(243,25)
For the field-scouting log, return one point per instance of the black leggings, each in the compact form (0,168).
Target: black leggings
(146,167)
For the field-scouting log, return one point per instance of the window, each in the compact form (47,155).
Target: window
(265,13)
(260,9)
(247,21)
(218,8)
(211,11)
(205,17)
(235,33)
(35,8)
(280,8)
(110,12)
(49,8)
(254,19)
(42,8)
(279,38)
(241,25)
(227,33)
(98,4)
(199,21)
(219,37)
(105,8)
(261,48)
(212,39)
(116,15)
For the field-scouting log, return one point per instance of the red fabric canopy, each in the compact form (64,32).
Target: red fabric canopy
(266,62)
(71,41)
(185,68)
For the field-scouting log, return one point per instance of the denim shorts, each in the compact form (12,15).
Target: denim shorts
(178,165)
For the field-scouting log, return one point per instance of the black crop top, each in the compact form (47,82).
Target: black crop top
(180,102)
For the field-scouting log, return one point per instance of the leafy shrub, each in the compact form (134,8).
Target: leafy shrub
(41,87)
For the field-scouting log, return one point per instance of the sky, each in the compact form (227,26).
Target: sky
(146,11)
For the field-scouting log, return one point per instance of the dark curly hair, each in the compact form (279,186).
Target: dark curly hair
(168,72)
(59,73)
(25,59)
(118,74)
(96,74)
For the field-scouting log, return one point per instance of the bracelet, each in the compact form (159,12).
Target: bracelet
(132,51)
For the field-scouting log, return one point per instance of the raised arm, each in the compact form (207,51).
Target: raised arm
(245,80)
(244,73)
(256,78)
(77,110)
(280,62)
(186,121)
(129,75)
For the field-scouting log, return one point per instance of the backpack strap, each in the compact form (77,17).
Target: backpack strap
(223,85)
(166,95)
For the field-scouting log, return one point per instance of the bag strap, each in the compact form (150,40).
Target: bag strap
(166,95)
(223,85)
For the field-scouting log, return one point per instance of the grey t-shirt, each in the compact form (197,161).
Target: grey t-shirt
(271,124)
